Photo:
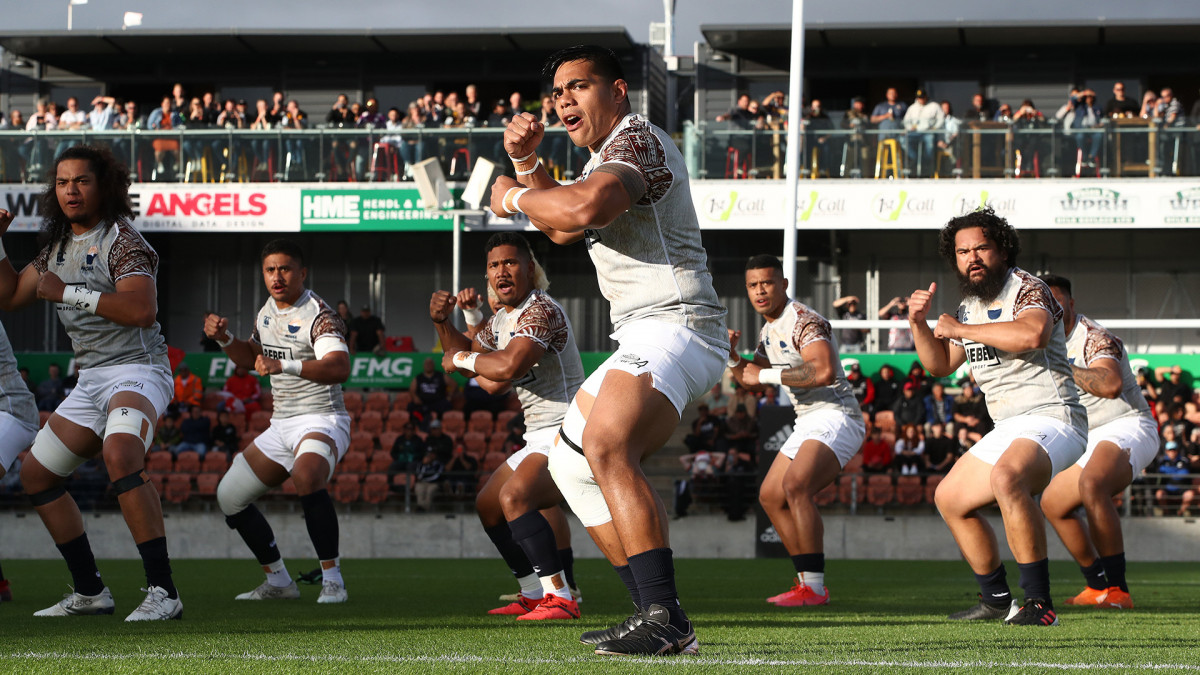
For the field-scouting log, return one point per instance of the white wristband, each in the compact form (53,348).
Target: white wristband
(291,366)
(522,159)
(223,344)
(81,297)
(529,171)
(465,360)
(473,316)
(517,199)
(770,376)
(733,361)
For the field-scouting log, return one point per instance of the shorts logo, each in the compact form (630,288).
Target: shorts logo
(634,360)
(129,384)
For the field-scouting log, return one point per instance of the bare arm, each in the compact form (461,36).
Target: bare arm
(506,364)
(1102,378)
(135,302)
(1031,330)
(333,368)
(939,356)
(842,301)
(242,352)
(568,209)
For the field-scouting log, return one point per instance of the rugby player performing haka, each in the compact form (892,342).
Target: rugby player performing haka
(301,343)
(633,207)
(100,273)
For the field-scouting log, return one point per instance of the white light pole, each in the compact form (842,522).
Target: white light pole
(71,11)
(792,160)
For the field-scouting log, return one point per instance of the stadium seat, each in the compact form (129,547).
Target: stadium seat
(387,439)
(346,487)
(886,420)
(880,490)
(931,484)
(259,421)
(361,441)
(909,490)
(453,423)
(402,401)
(206,484)
(178,488)
(380,462)
(160,483)
(371,422)
(493,461)
(888,437)
(400,482)
(496,442)
(850,489)
(355,461)
(503,418)
(353,401)
(187,461)
(375,488)
(215,462)
(854,465)
(827,495)
(379,402)
(211,400)
(475,443)
(481,421)
(160,461)
(396,420)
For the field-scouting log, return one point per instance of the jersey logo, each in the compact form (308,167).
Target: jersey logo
(276,352)
(294,326)
(89,259)
(525,380)
(266,321)
(995,311)
(1071,360)
(60,259)
(980,354)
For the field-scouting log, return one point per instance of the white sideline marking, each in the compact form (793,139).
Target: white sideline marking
(680,661)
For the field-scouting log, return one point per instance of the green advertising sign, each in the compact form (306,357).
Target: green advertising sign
(360,210)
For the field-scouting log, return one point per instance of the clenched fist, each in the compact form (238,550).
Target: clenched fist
(920,302)
(440,306)
(523,135)
(216,327)
(50,287)
(264,365)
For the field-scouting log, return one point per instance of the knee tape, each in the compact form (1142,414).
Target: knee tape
(239,487)
(318,447)
(572,427)
(131,482)
(126,420)
(573,476)
(51,453)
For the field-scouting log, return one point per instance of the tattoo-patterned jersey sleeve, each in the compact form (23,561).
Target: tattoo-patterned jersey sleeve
(486,335)
(544,323)
(328,324)
(130,255)
(637,146)
(810,328)
(1035,293)
(42,262)
(254,336)
(1101,344)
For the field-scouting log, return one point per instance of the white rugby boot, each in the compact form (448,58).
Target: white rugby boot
(76,604)
(332,592)
(157,606)
(268,592)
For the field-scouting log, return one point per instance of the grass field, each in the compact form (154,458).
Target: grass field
(429,616)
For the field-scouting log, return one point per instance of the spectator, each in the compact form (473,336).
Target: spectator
(740,120)
(427,476)
(294,119)
(770,397)
(706,429)
(970,413)
(923,120)
(1149,105)
(366,333)
(1119,105)
(948,143)
(477,398)
(406,450)
(848,309)
(741,434)
(818,128)
(1176,420)
(1087,115)
(462,472)
(438,442)
(211,108)
(50,391)
(1168,110)
(877,452)
(242,392)
(909,408)
(746,399)
(981,110)
(343,312)
(24,373)
(1146,384)
(774,107)
(938,407)
(940,449)
(168,435)
(189,390)
(916,375)
(909,448)
(863,388)
(430,390)
(856,121)
(195,431)
(104,113)
(889,113)
(899,338)
(516,435)
(1028,142)
(1004,114)
(887,388)
(473,103)
(262,119)
(717,401)
(225,436)
(166,149)
(1176,484)
(178,98)
(1171,388)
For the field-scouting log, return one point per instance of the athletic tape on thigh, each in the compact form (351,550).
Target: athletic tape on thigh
(133,481)
(127,420)
(53,454)
(320,448)
(46,496)
(239,487)
(572,474)
(571,431)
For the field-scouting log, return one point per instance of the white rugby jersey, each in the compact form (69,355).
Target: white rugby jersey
(547,389)
(650,261)
(1088,343)
(781,341)
(15,397)
(97,260)
(1036,382)
(290,333)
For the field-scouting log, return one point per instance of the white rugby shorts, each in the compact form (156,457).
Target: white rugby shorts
(838,431)
(278,442)
(681,364)
(536,442)
(16,435)
(1060,440)
(87,404)
(1138,435)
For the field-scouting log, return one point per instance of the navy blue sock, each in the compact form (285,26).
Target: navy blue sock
(85,576)
(994,587)
(630,584)
(157,564)
(533,533)
(654,571)
(512,554)
(809,562)
(567,556)
(1095,575)
(321,520)
(254,529)
(1114,569)
(1035,580)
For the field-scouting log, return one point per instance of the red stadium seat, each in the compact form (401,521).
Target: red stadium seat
(503,418)
(909,490)
(371,421)
(481,421)
(160,461)
(206,484)
(402,401)
(215,462)
(379,402)
(354,462)
(361,441)
(850,489)
(346,487)
(178,489)
(496,442)
(396,420)
(353,401)
(211,400)
(238,420)
(375,488)
(387,439)
(880,489)
(187,461)
(453,423)
(379,462)
(475,443)
(160,483)
(931,484)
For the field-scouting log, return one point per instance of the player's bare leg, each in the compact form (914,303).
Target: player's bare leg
(528,490)
(814,467)
(491,516)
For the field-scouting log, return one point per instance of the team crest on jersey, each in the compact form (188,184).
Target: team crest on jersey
(995,310)
(294,326)
(266,321)
(90,259)
(60,259)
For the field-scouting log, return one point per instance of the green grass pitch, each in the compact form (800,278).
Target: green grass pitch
(410,616)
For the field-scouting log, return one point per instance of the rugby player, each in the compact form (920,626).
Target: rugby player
(632,205)
(100,273)
(301,343)
(527,344)
(797,349)
(1122,441)
(1009,328)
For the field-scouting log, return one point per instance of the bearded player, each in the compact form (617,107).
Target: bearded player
(633,207)
(797,349)
(100,273)
(527,343)
(1009,328)
(301,343)
(1122,441)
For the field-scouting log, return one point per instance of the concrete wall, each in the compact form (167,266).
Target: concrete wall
(204,535)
